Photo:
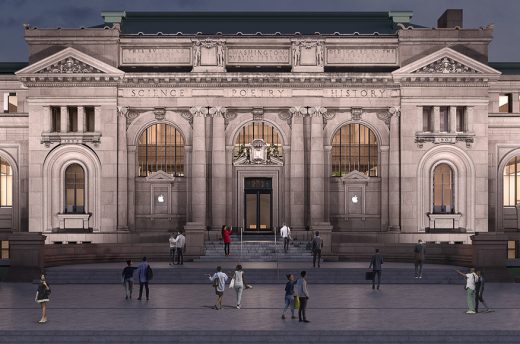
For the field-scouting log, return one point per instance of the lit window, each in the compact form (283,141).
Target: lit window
(75,189)
(354,148)
(443,188)
(10,102)
(505,103)
(511,249)
(461,122)
(6,184)
(90,118)
(73,118)
(258,130)
(55,119)
(4,254)
(427,118)
(512,182)
(160,148)
(445,122)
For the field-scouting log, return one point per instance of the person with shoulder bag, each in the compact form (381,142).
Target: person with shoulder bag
(238,283)
(42,297)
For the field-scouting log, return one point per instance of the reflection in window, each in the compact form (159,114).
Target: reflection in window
(75,189)
(354,148)
(512,182)
(10,102)
(160,148)
(505,103)
(427,118)
(444,118)
(443,190)
(461,119)
(258,130)
(6,184)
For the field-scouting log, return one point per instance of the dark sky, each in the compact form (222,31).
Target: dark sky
(505,14)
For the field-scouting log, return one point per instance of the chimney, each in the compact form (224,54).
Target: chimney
(450,18)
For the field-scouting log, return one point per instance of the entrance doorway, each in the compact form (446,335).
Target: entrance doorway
(258,200)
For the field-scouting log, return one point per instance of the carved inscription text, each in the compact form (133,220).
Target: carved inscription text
(156,56)
(260,56)
(361,56)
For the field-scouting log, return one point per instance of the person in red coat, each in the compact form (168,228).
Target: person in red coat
(226,235)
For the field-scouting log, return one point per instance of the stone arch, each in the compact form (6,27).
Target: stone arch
(500,185)
(233,131)
(379,129)
(465,179)
(54,168)
(148,118)
(15,217)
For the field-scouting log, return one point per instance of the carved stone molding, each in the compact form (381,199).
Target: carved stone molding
(208,44)
(446,65)
(437,139)
(188,117)
(217,111)
(300,48)
(228,117)
(258,114)
(129,114)
(69,65)
(298,111)
(385,116)
(286,116)
(199,111)
(160,113)
(74,137)
(356,114)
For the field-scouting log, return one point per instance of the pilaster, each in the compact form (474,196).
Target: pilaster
(218,168)
(198,163)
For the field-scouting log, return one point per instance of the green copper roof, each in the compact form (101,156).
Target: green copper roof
(258,22)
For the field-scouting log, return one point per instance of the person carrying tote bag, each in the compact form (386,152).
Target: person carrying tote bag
(237,282)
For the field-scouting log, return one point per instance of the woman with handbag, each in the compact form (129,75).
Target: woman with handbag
(42,297)
(237,282)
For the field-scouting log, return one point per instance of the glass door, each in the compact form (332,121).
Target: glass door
(258,197)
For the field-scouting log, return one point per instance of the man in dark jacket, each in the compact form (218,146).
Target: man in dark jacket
(375,264)
(419,255)
(317,245)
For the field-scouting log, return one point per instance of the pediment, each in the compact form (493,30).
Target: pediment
(160,176)
(355,176)
(446,62)
(70,62)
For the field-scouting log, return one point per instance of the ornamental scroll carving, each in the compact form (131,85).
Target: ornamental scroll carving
(446,65)
(69,65)
(302,48)
(386,116)
(258,152)
(129,114)
(322,112)
(208,44)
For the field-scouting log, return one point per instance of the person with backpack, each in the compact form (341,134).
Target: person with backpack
(471,280)
(145,275)
(289,296)
(317,245)
(419,255)
(219,283)
(42,297)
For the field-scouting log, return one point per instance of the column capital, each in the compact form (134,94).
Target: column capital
(217,111)
(199,111)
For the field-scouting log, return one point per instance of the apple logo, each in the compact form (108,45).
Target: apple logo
(160,198)
(354,199)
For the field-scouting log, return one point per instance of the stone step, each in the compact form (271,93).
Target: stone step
(254,337)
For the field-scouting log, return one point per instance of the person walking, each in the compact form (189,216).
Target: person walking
(173,248)
(145,275)
(317,245)
(285,233)
(303,295)
(419,255)
(226,236)
(128,278)
(479,291)
(219,282)
(376,264)
(471,280)
(289,296)
(238,283)
(42,297)
(180,244)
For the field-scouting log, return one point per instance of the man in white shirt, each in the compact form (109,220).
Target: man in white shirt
(471,280)
(181,242)
(285,233)
(172,248)
(219,282)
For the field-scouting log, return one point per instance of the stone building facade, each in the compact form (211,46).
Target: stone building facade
(362,125)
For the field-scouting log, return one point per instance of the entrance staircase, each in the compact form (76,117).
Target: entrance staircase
(255,248)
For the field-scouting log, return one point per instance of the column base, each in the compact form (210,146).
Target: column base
(194,232)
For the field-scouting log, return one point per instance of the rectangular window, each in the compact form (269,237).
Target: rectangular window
(73,118)
(427,118)
(10,102)
(55,119)
(445,119)
(505,103)
(4,250)
(511,249)
(90,117)
(461,123)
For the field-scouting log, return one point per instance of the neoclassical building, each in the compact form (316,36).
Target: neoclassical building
(362,125)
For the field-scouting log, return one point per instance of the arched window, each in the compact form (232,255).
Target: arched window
(160,147)
(512,182)
(6,184)
(259,130)
(354,148)
(443,190)
(74,189)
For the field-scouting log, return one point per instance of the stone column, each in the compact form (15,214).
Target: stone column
(81,119)
(198,167)
(316,162)
(436,119)
(453,119)
(64,119)
(468,119)
(385,195)
(97,119)
(297,199)
(218,168)
(393,169)
(47,120)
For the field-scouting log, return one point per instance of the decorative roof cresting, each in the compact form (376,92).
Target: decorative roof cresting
(69,65)
(446,65)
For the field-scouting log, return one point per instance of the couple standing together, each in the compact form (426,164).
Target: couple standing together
(177,244)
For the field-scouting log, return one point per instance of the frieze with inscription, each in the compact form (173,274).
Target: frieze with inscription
(264,56)
(360,93)
(156,56)
(345,56)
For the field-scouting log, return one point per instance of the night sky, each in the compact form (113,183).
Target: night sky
(504,14)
